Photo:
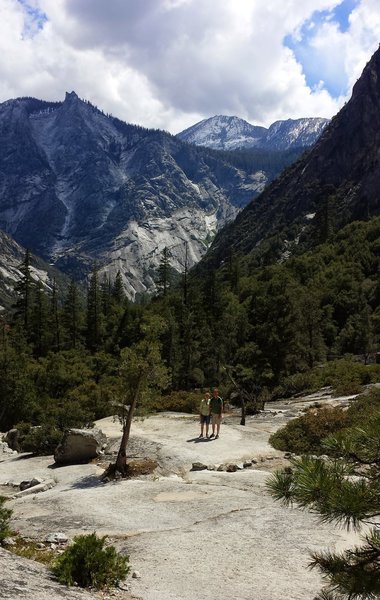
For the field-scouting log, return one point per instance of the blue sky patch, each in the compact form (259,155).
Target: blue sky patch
(35,19)
(316,66)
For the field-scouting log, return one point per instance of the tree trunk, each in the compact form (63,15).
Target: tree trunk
(242,420)
(121,461)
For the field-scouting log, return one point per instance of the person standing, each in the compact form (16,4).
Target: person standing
(216,410)
(204,414)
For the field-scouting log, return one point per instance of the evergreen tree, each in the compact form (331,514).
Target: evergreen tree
(117,293)
(72,315)
(94,313)
(24,290)
(55,319)
(163,283)
(141,370)
(40,330)
(345,491)
(105,295)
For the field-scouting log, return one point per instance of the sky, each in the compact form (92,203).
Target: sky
(171,63)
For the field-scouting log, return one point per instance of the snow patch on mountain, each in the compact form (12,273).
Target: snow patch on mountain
(230,133)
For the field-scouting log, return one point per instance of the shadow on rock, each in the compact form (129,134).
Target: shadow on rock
(90,481)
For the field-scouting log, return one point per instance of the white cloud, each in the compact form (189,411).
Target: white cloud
(169,63)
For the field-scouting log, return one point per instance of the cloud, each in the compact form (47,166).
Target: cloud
(170,63)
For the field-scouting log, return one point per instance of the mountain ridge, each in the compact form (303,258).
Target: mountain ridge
(77,185)
(223,132)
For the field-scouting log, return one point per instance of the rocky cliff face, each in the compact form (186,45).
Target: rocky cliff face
(77,185)
(229,133)
(11,257)
(339,177)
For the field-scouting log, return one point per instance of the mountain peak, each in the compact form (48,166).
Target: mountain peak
(71,96)
(71,99)
(223,132)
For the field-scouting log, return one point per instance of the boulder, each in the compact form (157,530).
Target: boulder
(57,538)
(35,489)
(12,439)
(5,449)
(231,468)
(198,466)
(24,485)
(80,446)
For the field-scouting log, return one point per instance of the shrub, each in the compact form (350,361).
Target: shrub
(88,564)
(304,382)
(40,439)
(181,401)
(5,515)
(346,376)
(305,434)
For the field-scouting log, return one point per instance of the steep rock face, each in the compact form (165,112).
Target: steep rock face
(77,185)
(282,135)
(341,172)
(229,133)
(11,257)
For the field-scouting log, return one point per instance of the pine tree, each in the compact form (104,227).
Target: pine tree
(93,331)
(345,491)
(55,319)
(117,293)
(163,283)
(24,290)
(72,315)
(39,321)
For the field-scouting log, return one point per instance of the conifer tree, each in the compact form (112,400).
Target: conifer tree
(345,491)
(71,315)
(141,369)
(117,293)
(93,331)
(55,319)
(24,290)
(105,295)
(39,321)
(163,283)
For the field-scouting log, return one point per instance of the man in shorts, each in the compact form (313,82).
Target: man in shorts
(216,410)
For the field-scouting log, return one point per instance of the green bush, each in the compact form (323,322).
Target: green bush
(364,408)
(88,564)
(181,401)
(347,377)
(305,382)
(5,515)
(41,440)
(305,434)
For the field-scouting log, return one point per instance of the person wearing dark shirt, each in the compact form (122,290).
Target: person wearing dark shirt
(216,410)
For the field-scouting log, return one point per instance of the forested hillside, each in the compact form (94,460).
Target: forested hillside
(60,356)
